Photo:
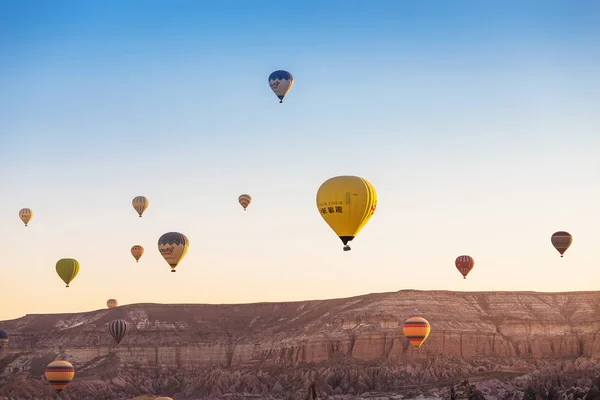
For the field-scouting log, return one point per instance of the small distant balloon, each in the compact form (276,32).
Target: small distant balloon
(67,269)
(173,246)
(464,264)
(137,252)
(112,303)
(416,330)
(3,339)
(118,329)
(281,83)
(59,374)
(140,204)
(561,241)
(245,200)
(25,214)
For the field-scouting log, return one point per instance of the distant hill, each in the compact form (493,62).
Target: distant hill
(195,350)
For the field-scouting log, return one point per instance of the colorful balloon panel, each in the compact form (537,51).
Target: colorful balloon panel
(561,241)
(346,203)
(140,204)
(118,329)
(25,214)
(416,330)
(59,374)
(464,264)
(245,200)
(67,269)
(173,246)
(137,252)
(281,83)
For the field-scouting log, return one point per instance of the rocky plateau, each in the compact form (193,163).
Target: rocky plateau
(505,343)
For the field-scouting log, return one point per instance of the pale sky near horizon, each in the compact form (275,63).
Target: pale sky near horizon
(477,123)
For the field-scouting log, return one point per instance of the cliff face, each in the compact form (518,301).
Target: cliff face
(464,325)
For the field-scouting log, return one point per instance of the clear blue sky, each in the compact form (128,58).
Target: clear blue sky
(476,121)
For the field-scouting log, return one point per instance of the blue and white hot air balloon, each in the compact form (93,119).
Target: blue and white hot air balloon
(281,83)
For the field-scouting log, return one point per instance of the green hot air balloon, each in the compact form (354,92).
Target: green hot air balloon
(67,269)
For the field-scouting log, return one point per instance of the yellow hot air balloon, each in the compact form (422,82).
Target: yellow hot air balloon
(137,251)
(245,200)
(140,203)
(25,214)
(173,246)
(346,203)
(59,374)
(67,269)
(416,330)
(112,303)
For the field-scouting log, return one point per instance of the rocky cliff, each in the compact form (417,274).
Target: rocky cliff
(279,348)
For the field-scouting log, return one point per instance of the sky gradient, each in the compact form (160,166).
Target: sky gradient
(477,123)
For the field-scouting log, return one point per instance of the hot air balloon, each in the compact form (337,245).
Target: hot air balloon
(59,374)
(346,203)
(140,203)
(416,330)
(281,83)
(464,264)
(118,329)
(25,214)
(173,246)
(112,303)
(245,200)
(561,241)
(3,339)
(137,252)
(67,269)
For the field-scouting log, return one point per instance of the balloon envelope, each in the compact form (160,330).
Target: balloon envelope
(140,204)
(26,214)
(561,241)
(416,330)
(67,269)
(3,339)
(118,329)
(173,246)
(464,264)
(137,252)
(346,203)
(112,303)
(281,83)
(245,200)
(59,374)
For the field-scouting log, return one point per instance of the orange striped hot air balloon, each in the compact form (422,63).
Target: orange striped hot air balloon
(561,241)
(140,204)
(245,200)
(59,374)
(464,264)
(137,252)
(416,330)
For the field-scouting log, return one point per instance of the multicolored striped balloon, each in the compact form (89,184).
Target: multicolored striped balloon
(416,330)
(25,214)
(140,204)
(59,374)
(118,329)
(464,264)
(245,200)
(561,241)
